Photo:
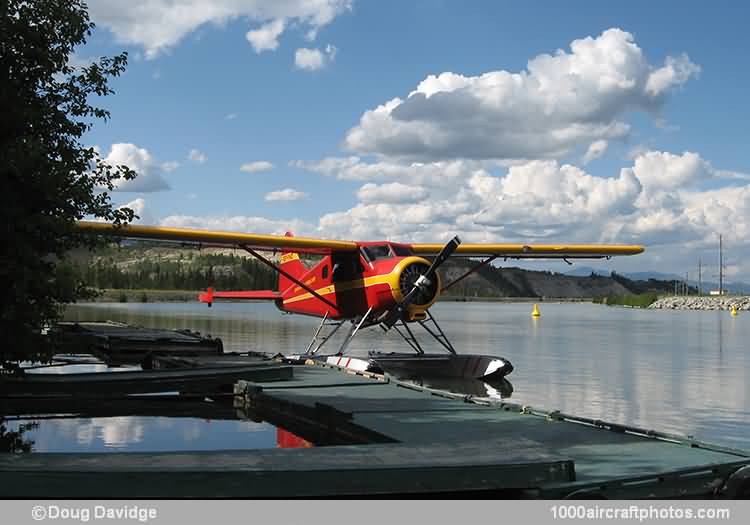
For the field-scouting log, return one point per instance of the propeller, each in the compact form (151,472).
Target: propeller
(421,283)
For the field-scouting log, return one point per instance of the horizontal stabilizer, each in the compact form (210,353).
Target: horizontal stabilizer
(257,295)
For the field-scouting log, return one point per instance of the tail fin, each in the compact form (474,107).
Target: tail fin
(207,297)
(291,264)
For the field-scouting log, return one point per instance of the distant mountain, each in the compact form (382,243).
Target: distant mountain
(659,276)
(732,287)
(586,271)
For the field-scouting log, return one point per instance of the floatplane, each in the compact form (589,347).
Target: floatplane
(382,284)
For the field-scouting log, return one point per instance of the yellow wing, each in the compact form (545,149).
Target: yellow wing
(325,246)
(218,238)
(533,251)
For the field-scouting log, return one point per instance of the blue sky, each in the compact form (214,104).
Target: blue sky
(415,121)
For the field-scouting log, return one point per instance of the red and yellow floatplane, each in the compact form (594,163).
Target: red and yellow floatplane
(382,284)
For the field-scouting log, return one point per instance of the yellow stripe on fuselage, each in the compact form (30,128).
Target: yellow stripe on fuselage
(391,279)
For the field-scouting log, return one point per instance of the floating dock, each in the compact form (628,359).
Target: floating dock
(119,343)
(380,437)
(106,384)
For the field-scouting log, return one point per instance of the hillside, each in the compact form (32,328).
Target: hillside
(157,267)
(732,287)
(517,282)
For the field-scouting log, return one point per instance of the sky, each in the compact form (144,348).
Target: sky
(414,121)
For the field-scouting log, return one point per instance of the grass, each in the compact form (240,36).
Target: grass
(642,300)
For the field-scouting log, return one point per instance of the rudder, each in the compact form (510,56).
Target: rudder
(291,264)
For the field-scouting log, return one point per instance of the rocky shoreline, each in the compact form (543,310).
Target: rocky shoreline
(702,303)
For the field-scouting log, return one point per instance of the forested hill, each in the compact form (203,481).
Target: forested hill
(490,281)
(157,268)
(149,266)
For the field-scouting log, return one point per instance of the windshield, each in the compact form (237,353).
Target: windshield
(401,251)
(378,251)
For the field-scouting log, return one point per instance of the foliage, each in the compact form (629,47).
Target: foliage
(652,285)
(48,178)
(642,300)
(226,272)
(13,440)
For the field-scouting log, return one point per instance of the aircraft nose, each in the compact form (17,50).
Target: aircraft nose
(413,275)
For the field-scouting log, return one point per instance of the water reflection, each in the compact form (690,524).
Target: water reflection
(13,438)
(677,371)
(137,433)
(498,390)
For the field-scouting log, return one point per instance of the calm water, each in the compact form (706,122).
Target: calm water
(144,434)
(684,372)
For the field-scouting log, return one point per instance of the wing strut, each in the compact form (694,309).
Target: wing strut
(436,332)
(488,260)
(288,276)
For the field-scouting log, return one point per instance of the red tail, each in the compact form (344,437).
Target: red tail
(291,264)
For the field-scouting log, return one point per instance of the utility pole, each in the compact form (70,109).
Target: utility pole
(700,281)
(687,284)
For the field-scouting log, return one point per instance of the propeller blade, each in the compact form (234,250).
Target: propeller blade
(421,283)
(446,252)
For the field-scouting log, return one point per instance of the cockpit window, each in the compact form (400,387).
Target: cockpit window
(402,251)
(377,251)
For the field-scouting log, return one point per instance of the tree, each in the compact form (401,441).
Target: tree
(48,178)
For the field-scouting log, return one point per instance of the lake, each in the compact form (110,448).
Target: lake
(686,372)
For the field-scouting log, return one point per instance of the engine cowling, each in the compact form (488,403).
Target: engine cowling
(411,269)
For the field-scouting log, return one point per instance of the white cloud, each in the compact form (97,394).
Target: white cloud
(76,60)
(675,72)
(169,166)
(257,166)
(394,192)
(231,116)
(139,208)
(727,174)
(560,101)
(663,170)
(196,155)
(266,37)
(596,149)
(159,25)
(314,59)
(353,168)
(656,199)
(287,194)
(668,202)
(239,223)
(141,161)
(545,199)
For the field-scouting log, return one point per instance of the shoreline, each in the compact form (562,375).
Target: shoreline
(119,295)
(122,295)
(725,302)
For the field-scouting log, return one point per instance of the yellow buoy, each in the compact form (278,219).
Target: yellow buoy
(535,312)
(733,311)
